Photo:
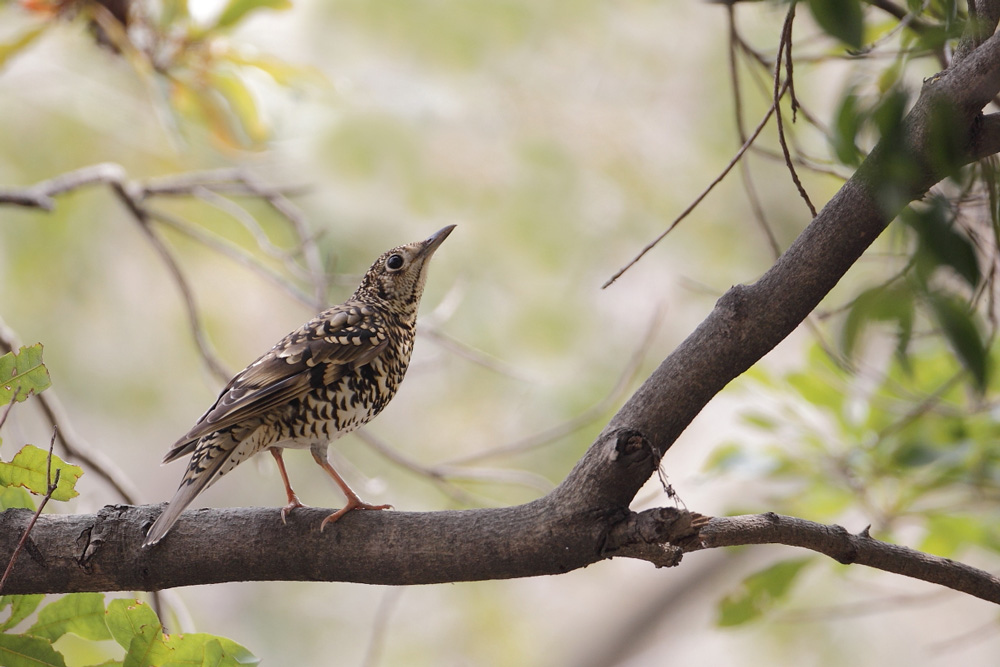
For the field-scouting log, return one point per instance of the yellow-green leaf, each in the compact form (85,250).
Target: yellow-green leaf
(21,607)
(22,374)
(26,651)
(19,43)
(208,651)
(760,592)
(236,10)
(283,73)
(29,467)
(15,497)
(242,107)
(79,613)
(128,619)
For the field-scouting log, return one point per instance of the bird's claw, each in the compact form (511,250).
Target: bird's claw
(294,504)
(333,518)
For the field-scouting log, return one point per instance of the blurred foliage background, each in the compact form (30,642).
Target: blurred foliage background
(561,137)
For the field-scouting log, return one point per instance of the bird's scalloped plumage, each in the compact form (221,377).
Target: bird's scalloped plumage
(328,377)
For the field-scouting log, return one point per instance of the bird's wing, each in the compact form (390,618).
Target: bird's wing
(318,353)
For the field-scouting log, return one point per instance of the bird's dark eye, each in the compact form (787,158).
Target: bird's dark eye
(394,263)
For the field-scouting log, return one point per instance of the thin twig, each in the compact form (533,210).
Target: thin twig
(51,485)
(785,47)
(625,380)
(8,408)
(475,355)
(386,606)
(856,610)
(444,475)
(232,252)
(704,193)
(286,257)
(734,82)
(41,195)
(310,249)
(134,193)
(187,294)
(964,640)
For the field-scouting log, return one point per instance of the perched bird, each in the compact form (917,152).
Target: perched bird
(333,374)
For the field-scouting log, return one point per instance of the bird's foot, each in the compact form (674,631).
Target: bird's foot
(353,504)
(293,503)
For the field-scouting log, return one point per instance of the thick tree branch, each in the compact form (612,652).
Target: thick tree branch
(100,552)
(587,517)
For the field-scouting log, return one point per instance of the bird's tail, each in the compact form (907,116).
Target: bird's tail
(214,456)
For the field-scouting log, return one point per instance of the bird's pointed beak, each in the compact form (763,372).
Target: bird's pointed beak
(435,240)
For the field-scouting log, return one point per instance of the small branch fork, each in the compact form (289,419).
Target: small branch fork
(208,186)
(661,536)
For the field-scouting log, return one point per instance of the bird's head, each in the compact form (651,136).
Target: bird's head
(398,275)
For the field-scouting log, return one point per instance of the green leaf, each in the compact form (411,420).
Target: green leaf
(724,458)
(242,106)
(22,374)
(10,49)
(21,607)
(173,11)
(26,651)
(29,468)
(760,592)
(940,244)
(148,650)
(960,328)
(284,74)
(816,389)
(842,19)
(947,534)
(80,613)
(848,120)
(207,650)
(12,497)
(893,303)
(236,10)
(136,628)
(128,619)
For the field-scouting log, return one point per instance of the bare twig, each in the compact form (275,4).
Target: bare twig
(734,82)
(133,194)
(232,252)
(386,606)
(51,485)
(964,640)
(7,408)
(625,379)
(704,193)
(469,353)
(444,475)
(859,548)
(141,216)
(310,250)
(785,47)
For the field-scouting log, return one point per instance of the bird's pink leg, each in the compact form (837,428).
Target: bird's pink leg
(353,502)
(293,500)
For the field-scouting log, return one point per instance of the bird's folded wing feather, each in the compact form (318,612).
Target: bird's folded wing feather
(320,352)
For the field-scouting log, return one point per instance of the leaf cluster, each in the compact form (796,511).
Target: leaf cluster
(912,445)
(131,623)
(191,65)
